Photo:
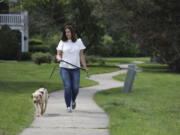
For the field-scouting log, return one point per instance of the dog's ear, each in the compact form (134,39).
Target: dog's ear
(32,96)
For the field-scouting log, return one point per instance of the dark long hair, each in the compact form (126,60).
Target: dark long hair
(73,36)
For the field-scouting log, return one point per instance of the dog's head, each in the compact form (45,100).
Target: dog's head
(37,97)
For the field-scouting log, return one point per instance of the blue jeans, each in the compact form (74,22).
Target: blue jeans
(71,79)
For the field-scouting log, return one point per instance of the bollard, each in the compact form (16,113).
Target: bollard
(129,78)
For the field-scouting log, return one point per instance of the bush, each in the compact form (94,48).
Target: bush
(24,56)
(40,57)
(39,48)
(101,62)
(95,59)
(45,44)
(35,41)
(36,45)
(106,48)
(91,59)
(124,48)
(53,41)
(120,47)
(9,43)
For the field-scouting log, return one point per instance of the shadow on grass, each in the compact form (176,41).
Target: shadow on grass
(112,91)
(155,68)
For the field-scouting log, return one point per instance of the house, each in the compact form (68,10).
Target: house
(16,21)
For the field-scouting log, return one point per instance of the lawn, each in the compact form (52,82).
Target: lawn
(152,108)
(19,79)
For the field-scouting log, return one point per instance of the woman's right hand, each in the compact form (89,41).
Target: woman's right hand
(58,58)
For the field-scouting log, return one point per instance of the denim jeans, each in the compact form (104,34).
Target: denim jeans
(71,79)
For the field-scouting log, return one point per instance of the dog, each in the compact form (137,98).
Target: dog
(40,99)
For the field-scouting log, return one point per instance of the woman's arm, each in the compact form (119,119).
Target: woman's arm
(83,60)
(59,56)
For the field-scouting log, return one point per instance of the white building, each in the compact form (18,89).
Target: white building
(17,21)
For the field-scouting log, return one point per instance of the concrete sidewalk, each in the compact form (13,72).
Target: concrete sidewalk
(87,119)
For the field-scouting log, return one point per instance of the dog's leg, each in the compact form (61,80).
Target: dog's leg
(45,105)
(41,107)
(37,110)
(46,101)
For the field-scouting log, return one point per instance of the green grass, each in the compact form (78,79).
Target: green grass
(19,80)
(152,108)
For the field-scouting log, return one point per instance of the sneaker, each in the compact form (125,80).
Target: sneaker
(73,105)
(68,109)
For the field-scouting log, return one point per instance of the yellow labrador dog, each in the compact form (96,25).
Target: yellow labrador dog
(40,98)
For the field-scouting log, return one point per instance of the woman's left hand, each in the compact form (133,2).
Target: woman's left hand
(86,70)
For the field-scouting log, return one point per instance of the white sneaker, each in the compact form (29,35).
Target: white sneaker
(68,109)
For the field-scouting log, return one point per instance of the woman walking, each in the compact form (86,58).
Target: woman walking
(70,49)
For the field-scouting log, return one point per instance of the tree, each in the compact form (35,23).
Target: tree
(55,14)
(87,24)
(154,24)
(45,15)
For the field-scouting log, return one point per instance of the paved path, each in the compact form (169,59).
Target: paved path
(87,119)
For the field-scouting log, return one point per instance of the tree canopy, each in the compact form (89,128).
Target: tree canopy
(152,26)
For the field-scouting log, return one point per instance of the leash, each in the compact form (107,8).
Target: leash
(87,75)
(52,72)
(72,64)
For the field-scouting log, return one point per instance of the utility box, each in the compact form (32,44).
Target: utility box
(129,78)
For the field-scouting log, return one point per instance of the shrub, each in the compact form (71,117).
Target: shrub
(91,59)
(39,48)
(40,57)
(95,59)
(35,41)
(124,48)
(119,47)
(9,43)
(106,48)
(53,41)
(101,62)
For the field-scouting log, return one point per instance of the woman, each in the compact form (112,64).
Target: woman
(70,49)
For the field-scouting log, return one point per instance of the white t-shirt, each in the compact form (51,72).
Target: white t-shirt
(71,52)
